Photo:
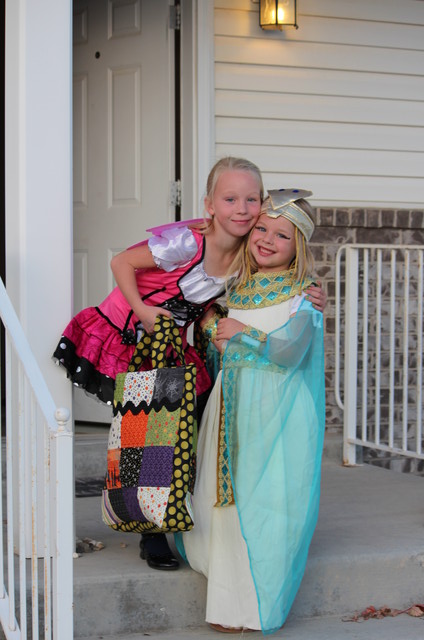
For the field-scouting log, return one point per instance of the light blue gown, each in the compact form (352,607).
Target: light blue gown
(254,552)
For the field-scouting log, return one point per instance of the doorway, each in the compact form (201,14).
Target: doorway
(126,145)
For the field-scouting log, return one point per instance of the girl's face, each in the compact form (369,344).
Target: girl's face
(236,203)
(273,243)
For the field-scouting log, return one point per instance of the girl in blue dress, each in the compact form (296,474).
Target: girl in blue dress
(259,452)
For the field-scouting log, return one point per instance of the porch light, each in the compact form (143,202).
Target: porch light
(277,14)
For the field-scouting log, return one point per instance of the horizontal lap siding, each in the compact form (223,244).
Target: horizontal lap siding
(336,106)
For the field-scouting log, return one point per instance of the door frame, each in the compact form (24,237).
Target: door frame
(205,94)
(38,175)
(197,103)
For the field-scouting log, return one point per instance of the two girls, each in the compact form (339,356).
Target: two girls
(179,273)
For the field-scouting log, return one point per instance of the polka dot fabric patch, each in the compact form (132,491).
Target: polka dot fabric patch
(162,428)
(114,440)
(139,388)
(129,466)
(153,502)
(118,395)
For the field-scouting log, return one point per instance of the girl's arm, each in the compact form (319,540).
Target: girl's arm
(284,352)
(228,327)
(290,350)
(208,324)
(124,266)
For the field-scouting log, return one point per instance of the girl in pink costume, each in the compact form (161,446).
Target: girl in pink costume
(178,273)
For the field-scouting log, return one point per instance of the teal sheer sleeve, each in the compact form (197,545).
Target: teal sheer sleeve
(275,415)
(213,361)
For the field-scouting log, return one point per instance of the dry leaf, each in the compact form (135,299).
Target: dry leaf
(369,612)
(416,610)
(94,545)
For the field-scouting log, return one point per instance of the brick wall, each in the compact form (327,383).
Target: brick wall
(335,227)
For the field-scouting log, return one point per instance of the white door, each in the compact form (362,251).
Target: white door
(123,141)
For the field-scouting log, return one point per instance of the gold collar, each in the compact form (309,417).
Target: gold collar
(266,289)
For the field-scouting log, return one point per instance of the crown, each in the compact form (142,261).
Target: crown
(282,202)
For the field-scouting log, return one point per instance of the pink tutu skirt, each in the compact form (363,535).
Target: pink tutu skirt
(93,351)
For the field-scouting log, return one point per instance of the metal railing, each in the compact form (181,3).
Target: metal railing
(381,327)
(36,553)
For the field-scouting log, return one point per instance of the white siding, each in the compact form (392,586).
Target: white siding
(336,106)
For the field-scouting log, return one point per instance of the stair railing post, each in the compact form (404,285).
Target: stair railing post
(64,522)
(351,356)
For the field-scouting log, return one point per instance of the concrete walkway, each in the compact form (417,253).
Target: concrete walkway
(368,549)
(332,628)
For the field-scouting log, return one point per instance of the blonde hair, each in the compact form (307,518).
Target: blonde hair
(245,265)
(232,164)
(228,163)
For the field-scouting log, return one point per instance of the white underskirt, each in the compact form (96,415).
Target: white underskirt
(215,547)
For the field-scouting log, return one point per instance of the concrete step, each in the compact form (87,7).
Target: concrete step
(329,628)
(368,549)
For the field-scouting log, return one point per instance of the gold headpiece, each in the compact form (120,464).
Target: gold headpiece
(282,202)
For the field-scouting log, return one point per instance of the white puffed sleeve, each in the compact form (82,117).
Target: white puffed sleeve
(295,302)
(173,248)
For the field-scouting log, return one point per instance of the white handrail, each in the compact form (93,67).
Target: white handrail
(25,355)
(42,427)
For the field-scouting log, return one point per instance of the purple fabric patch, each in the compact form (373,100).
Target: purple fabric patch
(132,505)
(156,469)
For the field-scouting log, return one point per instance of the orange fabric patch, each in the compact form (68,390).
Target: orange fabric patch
(133,430)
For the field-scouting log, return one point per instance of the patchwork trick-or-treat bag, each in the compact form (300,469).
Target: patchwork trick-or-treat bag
(151,458)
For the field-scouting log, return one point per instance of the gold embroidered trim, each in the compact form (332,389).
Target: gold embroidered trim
(266,289)
(224,488)
(200,338)
(211,327)
(255,333)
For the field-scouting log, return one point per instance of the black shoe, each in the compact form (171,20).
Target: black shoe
(155,550)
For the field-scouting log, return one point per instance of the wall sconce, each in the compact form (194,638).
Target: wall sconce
(277,14)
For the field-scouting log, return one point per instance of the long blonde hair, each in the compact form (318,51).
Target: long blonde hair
(302,264)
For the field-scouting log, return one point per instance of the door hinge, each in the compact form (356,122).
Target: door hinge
(175,17)
(175,193)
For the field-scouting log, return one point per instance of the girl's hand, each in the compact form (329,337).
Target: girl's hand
(227,328)
(206,316)
(220,345)
(317,296)
(148,315)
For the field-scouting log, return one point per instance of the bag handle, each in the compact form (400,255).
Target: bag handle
(165,333)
